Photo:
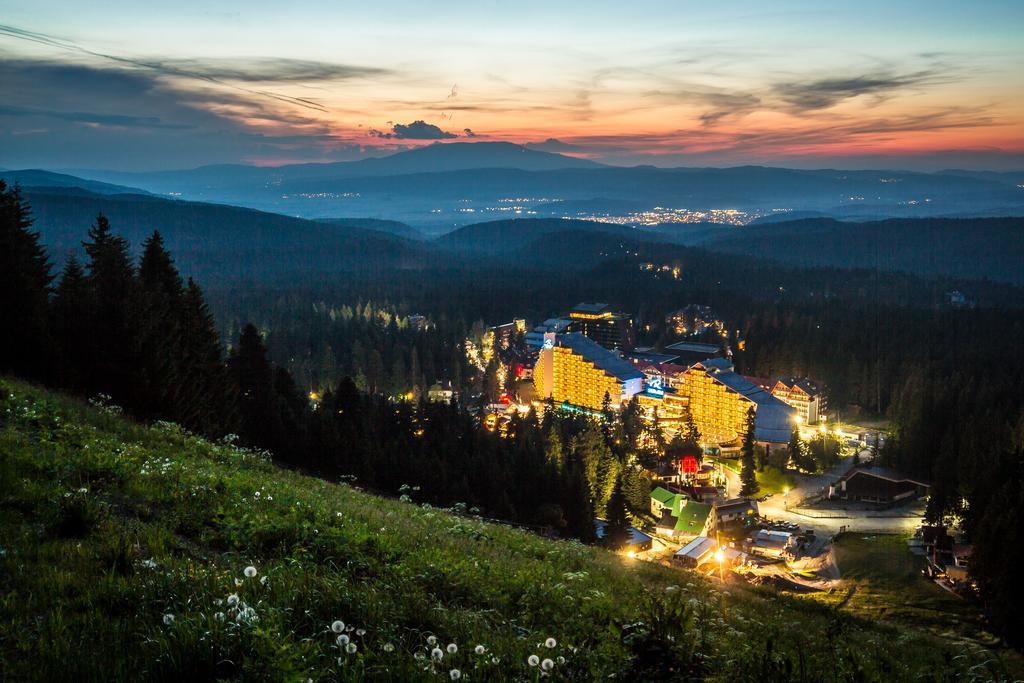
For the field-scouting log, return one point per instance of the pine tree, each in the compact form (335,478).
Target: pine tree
(253,378)
(202,400)
(111,279)
(158,317)
(70,326)
(616,533)
(24,289)
(748,474)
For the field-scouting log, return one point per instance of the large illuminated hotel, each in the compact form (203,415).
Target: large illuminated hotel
(573,369)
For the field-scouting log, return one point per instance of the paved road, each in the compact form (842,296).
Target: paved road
(807,486)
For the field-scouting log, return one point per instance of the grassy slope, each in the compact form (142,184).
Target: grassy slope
(107,526)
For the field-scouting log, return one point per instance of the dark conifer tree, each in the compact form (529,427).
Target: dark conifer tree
(111,279)
(24,289)
(70,326)
(748,473)
(158,318)
(253,379)
(616,533)
(203,399)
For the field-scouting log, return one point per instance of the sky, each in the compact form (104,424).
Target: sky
(157,85)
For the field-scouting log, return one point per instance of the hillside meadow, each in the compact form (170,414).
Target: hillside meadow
(131,552)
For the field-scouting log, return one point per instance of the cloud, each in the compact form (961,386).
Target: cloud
(468,132)
(118,120)
(417,130)
(223,72)
(827,92)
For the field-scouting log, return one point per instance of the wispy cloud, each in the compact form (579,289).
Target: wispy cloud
(827,92)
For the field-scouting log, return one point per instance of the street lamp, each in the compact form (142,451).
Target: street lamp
(720,558)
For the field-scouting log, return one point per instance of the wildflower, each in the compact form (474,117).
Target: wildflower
(232,600)
(350,648)
(437,654)
(341,661)
(419,656)
(431,640)
(219,616)
(149,564)
(547,665)
(560,659)
(342,640)
(388,647)
(250,571)
(455,674)
(338,626)
(452,648)
(238,582)
(168,619)
(480,649)
(550,643)
(263,580)
(360,632)
(533,660)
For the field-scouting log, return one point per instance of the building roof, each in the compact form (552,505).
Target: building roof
(590,308)
(663,496)
(692,517)
(695,347)
(609,361)
(697,548)
(882,473)
(735,504)
(804,384)
(651,356)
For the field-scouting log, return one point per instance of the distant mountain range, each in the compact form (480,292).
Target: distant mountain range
(442,186)
(39,178)
(229,243)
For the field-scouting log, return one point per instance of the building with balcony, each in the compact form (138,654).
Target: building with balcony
(572,369)
(719,400)
(803,395)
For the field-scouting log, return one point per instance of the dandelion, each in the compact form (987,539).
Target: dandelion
(263,580)
(341,661)
(238,582)
(220,616)
(351,648)
(342,640)
(533,660)
(168,619)
(388,647)
(419,656)
(338,626)
(455,674)
(560,659)
(437,654)
(479,649)
(431,640)
(452,648)
(250,571)
(232,600)
(550,643)
(547,665)
(360,632)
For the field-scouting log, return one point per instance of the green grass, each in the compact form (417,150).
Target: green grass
(889,585)
(122,549)
(775,481)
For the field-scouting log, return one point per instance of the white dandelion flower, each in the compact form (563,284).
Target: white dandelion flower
(388,647)
(232,600)
(547,665)
(560,659)
(431,640)
(168,619)
(360,632)
(351,648)
(263,580)
(342,640)
(550,643)
(338,626)
(455,674)
(238,582)
(250,571)
(533,660)
(437,654)
(452,648)
(479,649)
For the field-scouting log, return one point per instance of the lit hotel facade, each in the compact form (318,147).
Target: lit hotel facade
(574,369)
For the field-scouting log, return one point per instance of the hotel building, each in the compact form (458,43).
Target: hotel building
(719,400)
(803,395)
(576,370)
